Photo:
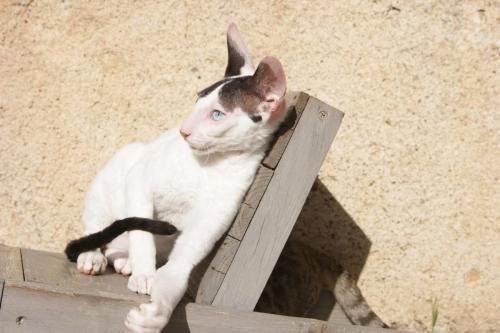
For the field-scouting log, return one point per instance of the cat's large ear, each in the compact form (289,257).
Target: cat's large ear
(239,61)
(270,82)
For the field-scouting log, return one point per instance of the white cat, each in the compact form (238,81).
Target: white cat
(194,177)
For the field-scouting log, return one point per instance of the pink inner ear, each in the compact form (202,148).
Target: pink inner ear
(270,77)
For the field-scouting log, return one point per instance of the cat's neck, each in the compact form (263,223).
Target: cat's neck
(236,157)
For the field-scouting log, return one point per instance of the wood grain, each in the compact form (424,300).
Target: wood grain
(256,190)
(215,272)
(335,328)
(2,284)
(11,267)
(28,309)
(54,269)
(329,310)
(279,207)
(241,222)
(45,311)
(208,319)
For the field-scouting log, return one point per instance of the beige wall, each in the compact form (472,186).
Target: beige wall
(415,165)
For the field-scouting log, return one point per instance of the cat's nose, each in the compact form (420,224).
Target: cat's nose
(184,133)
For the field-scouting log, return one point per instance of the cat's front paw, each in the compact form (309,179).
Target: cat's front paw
(91,262)
(149,317)
(122,266)
(141,283)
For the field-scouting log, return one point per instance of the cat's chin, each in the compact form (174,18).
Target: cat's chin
(202,150)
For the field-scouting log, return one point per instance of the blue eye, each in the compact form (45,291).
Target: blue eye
(217,115)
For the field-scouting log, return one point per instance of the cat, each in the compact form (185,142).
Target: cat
(193,176)
(300,274)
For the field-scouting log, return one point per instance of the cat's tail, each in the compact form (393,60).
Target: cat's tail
(115,229)
(350,299)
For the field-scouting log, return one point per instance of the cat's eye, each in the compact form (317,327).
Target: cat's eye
(217,115)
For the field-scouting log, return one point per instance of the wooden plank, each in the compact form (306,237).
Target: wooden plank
(334,328)
(2,284)
(279,207)
(35,310)
(241,222)
(11,267)
(256,191)
(28,309)
(338,317)
(296,103)
(216,271)
(208,319)
(54,269)
(327,309)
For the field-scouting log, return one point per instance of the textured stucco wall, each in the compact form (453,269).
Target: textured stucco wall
(415,165)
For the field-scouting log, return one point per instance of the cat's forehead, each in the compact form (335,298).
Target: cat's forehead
(208,90)
(235,92)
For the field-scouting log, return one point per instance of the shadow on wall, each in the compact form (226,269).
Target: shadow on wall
(325,225)
(294,287)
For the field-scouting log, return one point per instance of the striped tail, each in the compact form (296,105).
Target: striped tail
(350,299)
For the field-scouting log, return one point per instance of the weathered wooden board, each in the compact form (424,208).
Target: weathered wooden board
(35,309)
(327,309)
(38,310)
(206,281)
(2,284)
(279,207)
(250,203)
(54,269)
(256,191)
(297,103)
(334,328)
(11,267)
(241,222)
(208,319)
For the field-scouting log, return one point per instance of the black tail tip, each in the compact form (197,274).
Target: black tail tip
(71,251)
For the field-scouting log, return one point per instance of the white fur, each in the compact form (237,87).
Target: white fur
(198,194)
(195,183)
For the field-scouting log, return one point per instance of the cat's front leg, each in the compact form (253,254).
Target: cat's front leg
(171,280)
(142,251)
(142,257)
(169,287)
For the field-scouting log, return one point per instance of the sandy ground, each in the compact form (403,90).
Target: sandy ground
(412,178)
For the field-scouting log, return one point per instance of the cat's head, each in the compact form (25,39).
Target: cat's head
(241,111)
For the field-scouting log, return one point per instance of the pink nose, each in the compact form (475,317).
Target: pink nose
(185,133)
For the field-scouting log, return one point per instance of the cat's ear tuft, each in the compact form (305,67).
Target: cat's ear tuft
(239,61)
(270,81)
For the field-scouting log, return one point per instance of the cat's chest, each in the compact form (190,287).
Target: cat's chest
(173,206)
(175,196)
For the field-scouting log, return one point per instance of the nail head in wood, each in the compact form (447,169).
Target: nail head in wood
(323,114)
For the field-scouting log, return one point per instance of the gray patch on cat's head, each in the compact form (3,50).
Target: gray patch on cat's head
(241,92)
(212,87)
(247,92)
(237,92)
